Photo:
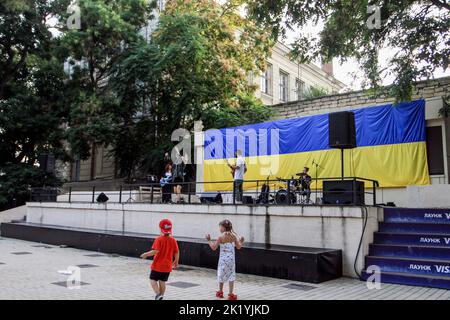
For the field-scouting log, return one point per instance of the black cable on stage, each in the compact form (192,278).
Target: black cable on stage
(366,217)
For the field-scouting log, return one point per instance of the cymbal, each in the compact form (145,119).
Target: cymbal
(299,174)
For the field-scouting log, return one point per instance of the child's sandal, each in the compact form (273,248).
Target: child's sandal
(219,294)
(232,296)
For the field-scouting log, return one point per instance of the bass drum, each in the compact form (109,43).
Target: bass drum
(282,197)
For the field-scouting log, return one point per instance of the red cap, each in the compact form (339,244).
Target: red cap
(165,225)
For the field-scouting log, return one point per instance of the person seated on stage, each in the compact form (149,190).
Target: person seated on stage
(179,166)
(305,183)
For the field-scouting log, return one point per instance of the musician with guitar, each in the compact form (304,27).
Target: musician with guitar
(237,171)
(166,184)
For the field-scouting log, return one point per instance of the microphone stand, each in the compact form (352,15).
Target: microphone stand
(317,176)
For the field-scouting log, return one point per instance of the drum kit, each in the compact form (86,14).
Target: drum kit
(298,192)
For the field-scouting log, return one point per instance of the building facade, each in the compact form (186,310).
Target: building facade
(284,81)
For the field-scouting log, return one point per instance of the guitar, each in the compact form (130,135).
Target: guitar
(165,180)
(233,169)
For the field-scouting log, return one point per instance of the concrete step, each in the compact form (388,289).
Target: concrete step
(413,227)
(418,239)
(411,279)
(408,251)
(417,215)
(419,266)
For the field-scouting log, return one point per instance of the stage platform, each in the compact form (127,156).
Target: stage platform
(313,265)
(333,227)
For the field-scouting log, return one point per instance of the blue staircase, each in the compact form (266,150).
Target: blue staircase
(412,247)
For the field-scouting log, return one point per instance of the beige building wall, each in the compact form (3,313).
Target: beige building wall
(100,165)
(310,74)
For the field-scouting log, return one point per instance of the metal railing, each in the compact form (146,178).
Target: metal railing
(359,191)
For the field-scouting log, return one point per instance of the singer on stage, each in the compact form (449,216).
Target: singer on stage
(238,170)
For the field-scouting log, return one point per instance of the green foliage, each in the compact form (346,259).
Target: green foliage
(315,92)
(32,100)
(121,90)
(108,29)
(418,29)
(16,181)
(445,110)
(194,68)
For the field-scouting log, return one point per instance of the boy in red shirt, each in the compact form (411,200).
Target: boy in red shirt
(166,256)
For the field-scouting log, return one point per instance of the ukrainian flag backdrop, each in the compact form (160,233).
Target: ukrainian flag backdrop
(390,139)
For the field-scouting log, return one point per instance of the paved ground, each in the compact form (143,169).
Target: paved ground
(30,270)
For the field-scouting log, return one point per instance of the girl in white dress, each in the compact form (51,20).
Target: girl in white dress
(226,269)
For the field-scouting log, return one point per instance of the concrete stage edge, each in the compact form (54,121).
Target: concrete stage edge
(334,227)
(294,263)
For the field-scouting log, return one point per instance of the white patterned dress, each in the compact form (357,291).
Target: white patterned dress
(226,269)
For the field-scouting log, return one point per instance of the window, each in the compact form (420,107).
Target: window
(299,88)
(161,5)
(284,86)
(250,78)
(266,80)
(435,151)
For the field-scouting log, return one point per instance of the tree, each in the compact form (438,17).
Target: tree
(108,29)
(418,29)
(32,108)
(194,68)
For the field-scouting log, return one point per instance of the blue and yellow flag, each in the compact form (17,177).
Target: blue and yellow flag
(390,148)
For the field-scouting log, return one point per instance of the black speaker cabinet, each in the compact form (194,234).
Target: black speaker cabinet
(211,197)
(44,194)
(342,131)
(248,200)
(343,192)
(47,162)
(102,198)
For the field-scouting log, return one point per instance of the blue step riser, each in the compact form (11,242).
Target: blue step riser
(415,228)
(412,281)
(410,252)
(417,215)
(417,240)
(410,266)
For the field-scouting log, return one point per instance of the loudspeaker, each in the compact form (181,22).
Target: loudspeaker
(102,198)
(211,197)
(248,200)
(47,162)
(44,194)
(342,131)
(343,192)
(264,195)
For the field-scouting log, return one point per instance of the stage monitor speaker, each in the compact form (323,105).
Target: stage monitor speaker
(343,192)
(342,131)
(211,197)
(248,200)
(102,198)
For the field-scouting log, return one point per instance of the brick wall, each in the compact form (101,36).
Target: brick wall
(423,89)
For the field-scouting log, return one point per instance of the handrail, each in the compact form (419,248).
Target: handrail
(156,193)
